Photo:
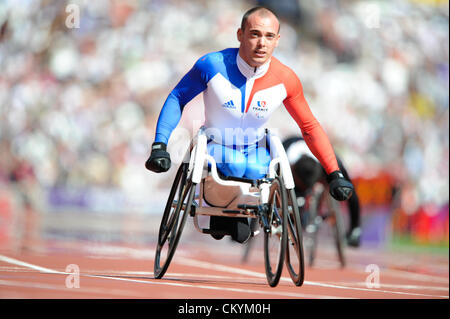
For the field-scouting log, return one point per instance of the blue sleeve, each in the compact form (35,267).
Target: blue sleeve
(193,83)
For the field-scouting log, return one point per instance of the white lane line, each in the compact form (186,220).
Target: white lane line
(270,293)
(27,265)
(246,291)
(207,265)
(169,275)
(116,252)
(414,276)
(323,264)
(396,286)
(35,285)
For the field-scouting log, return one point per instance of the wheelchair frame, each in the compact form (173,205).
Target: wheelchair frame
(280,224)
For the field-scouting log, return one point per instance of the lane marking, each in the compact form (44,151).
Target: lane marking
(168,275)
(46,286)
(27,265)
(322,263)
(115,251)
(415,276)
(246,291)
(398,286)
(207,265)
(331,264)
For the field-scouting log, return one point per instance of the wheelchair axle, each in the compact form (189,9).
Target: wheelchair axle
(261,211)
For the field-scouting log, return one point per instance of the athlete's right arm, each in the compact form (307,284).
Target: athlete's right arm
(316,139)
(193,83)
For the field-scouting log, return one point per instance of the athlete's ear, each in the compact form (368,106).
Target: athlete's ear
(277,39)
(239,34)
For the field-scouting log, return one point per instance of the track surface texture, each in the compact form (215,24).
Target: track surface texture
(65,267)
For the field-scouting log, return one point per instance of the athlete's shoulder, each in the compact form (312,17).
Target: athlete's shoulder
(212,59)
(282,70)
(286,75)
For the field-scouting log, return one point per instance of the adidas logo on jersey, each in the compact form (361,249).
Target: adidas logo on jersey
(229,104)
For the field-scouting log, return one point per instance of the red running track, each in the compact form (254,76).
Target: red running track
(208,269)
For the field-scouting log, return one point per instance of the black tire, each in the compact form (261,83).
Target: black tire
(338,230)
(180,200)
(294,250)
(312,228)
(277,212)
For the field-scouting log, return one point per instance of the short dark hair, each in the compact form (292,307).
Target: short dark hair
(253,10)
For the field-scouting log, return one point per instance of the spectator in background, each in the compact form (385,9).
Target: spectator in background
(80,104)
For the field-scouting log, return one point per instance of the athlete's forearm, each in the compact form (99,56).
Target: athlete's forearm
(168,119)
(320,146)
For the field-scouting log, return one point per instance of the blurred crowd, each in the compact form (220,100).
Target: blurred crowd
(79,99)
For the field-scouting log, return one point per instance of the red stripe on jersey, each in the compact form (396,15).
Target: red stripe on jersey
(276,74)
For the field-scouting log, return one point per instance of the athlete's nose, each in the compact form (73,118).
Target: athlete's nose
(261,42)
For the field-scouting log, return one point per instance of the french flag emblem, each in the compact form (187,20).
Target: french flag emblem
(261,103)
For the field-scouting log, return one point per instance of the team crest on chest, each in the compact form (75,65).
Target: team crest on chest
(260,107)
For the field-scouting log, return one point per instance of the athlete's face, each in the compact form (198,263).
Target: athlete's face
(258,39)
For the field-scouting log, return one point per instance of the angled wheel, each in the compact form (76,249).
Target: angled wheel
(176,211)
(313,224)
(275,237)
(337,224)
(294,250)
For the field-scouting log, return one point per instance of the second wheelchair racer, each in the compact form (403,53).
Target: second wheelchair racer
(307,171)
(242,87)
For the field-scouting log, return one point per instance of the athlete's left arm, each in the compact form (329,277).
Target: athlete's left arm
(313,133)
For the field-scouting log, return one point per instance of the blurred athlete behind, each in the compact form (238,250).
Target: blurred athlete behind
(242,87)
(307,171)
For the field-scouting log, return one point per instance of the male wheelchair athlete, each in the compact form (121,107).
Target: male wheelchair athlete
(274,208)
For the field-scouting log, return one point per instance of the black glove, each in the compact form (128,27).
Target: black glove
(159,160)
(340,188)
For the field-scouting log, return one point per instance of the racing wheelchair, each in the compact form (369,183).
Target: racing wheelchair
(319,209)
(274,207)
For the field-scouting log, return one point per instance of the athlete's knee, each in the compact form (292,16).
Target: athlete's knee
(229,161)
(257,163)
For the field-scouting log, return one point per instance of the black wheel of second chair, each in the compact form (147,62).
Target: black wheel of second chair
(295,260)
(338,230)
(314,221)
(172,223)
(275,238)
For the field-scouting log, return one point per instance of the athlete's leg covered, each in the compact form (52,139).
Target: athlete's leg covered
(250,162)
(229,161)
(258,159)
